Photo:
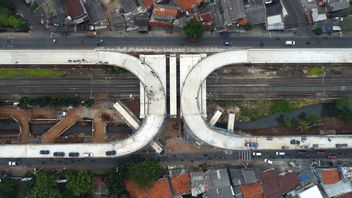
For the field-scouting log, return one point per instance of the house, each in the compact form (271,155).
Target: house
(188,4)
(249,175)
(253,190)
(207,19)
(142,22)
(51,13)
(275,185)
(96,14)
(309,191)
(218,184)
(146,3)
(233,11)
(332,182)
(130,10)
(75,10)
(159,188)
(255,11)
(337,5)
(274,16)
(118,21)
(318,15)
(163,15)
(218,18)
(198,182)
(180,180)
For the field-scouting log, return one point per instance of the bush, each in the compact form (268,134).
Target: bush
(318,31)
(315,71)
(287,122)
(344,107)
(79,183)
(248,27)
(312,120)
(281,106)
(303,126)
(55,101)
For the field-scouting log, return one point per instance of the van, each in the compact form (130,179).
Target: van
(268,161)
(257,154)
(280,153)
(291,43)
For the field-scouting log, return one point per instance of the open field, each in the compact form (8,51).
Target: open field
(30,72)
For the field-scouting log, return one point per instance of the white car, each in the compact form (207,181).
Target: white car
(290,43)
(268,161)
(280,153)
(257,154)
(14,163)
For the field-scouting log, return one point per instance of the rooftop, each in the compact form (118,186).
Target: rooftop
(255,11)
(74,8)
(188,4)
(252,190)
(275,185)
(198,180)
(159,188)
(310,192)
(330,176)
(218,178)
(181,184)
(249,175)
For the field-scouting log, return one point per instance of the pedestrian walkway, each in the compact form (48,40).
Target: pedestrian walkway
(245,155)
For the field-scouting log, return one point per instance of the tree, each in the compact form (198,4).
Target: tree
(89,103)
(287,122)
(79,183)
(115,178)
(45,187)
(303,126)
(248,27)
(281,106)
(144,173)
(312,120)
(344,108)
(194,29)
(7,188)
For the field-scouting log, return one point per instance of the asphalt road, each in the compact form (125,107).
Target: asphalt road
(162,42)
(233,156)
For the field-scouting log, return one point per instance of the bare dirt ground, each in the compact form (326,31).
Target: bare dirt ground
(174,142)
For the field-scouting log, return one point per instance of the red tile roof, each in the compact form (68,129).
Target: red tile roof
(74,8)
(188,4)
(181,184)
(348,195)
(148,3)
(159,189)
(275,185)
(165,11)
(206,18)
(252,190)
(330,176)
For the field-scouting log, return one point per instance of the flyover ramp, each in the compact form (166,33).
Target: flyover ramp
(140,139)
(201,130)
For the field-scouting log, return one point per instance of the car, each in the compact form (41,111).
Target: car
(321,152)
(257,154)
(59,154)
(227,43)
(291,43)
(108,153)
(87,154)
(14,163)
(44,152)
(268,161)
(293,141)
(73,154)
(301,152)
(280,153)
(269,138)
(331,156)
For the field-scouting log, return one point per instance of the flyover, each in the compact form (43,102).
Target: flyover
(141,138)
(196,123)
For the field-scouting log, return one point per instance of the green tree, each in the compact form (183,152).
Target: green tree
(79,183)
(281,106)
(7,188)
(312,120)
(144,173)
(115,178)
(45,187)
(318,31)
(89,103)
(303,126)
(344,108)
(194,29)
(248,27)
(287,122)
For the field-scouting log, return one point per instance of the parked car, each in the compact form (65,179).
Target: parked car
(331,156)
(73,154)
(44,152)
(268,161)
(291,43)
(109,153)
(59,154)
(87,154)
(256,154)
(14,163)
(280,153)
(321,152)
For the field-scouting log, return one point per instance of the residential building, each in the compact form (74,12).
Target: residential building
(198,182)
(275,185)
(332,182)
(163,15)
(96,14)
(252,190)
(218,184)
(118,21)
(51,13)
(309,191)
(188,4)
(75,10)
(159,188)
(274,16)
(255,11)
(337,5)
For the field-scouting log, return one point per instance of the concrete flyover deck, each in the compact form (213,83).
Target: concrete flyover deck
(141,138)
(226,140)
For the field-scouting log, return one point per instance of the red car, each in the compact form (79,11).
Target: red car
(332,157)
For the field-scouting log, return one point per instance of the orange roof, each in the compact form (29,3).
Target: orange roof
(159,189)
(165,11)
(330,176)
(252,190)
(148,3)
(348,195)
(181,184)
(187,4)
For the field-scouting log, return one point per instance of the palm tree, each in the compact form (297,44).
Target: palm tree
(303,126)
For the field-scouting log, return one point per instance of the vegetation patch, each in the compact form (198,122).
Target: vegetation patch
(344,108)
(53,101)
(114,70)
(316,71)
(194,29)
(33,73)
(9,19)
(144,173)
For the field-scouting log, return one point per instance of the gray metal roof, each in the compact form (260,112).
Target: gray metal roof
(249,175)
(236,176)
(218,178)
(255,11)
(222,192)
(95,10)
